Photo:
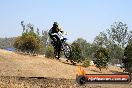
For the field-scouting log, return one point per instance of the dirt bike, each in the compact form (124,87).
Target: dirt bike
(61,45)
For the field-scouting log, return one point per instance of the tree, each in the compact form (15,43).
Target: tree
(127,60)
(115,53)
(115,39)
(18,43)
(83,45)
(76,54)
(119,34)
(86,48)
(130,37)
(38,31)
(119,37)
(23,26)
(101,40)
(89,50)
(102,58)
(45,39)
(30,27)
(6,42)
(29,42)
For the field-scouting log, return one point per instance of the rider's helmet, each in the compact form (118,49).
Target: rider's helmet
(55,24)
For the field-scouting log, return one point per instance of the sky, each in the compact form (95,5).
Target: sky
(80,18)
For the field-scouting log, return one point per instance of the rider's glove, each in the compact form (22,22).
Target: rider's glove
(65,33)
(62,32)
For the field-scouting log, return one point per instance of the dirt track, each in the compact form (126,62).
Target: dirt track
(12,64)
(51,73)
(41,82)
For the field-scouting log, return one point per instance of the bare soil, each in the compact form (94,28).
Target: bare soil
(24,71)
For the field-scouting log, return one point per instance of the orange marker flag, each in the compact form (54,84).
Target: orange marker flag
(80,71)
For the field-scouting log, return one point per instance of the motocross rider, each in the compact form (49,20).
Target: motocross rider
(55,29)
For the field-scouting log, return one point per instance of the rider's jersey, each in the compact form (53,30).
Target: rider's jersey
(55,30)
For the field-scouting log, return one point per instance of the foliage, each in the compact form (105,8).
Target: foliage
(119,37)
(49,52)
(86,63)
(115,53)
(119,34)
(128,57)
(45,39)
(18,43)
(102,58)
(6,42)
(83,44)
(115,39)
(86,48)
(76,55)
(101,40)
(29,41)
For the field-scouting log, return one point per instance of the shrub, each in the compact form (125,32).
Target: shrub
(76,54)
(29,42)
(86,63)
(49,52)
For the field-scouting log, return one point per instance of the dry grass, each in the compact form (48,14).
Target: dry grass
(12,65)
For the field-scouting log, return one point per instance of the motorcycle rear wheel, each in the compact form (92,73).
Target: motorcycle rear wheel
(67,51)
